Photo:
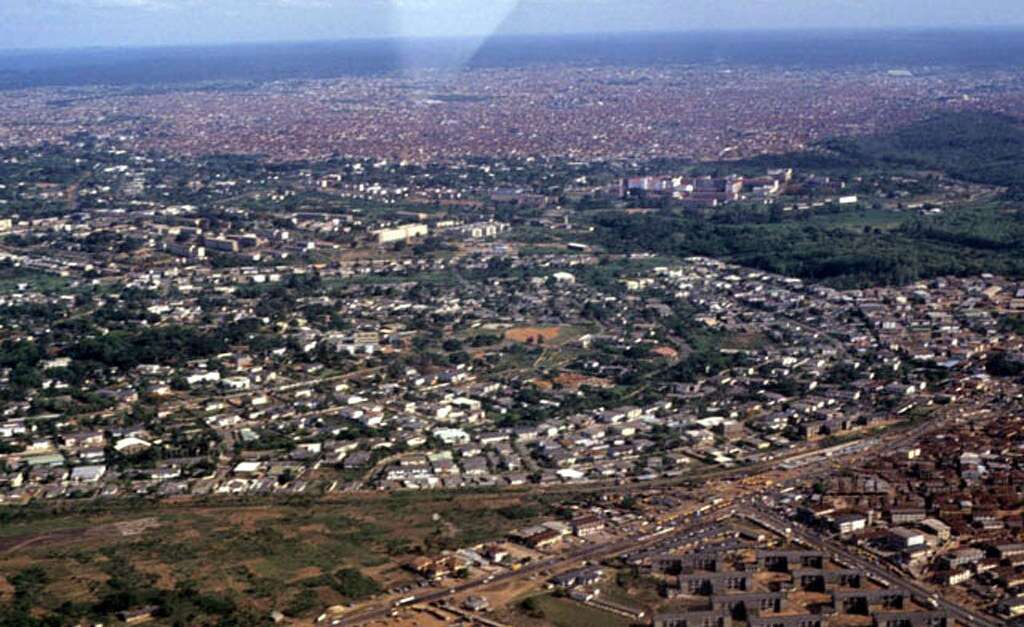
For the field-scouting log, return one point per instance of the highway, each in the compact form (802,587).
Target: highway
(555,564)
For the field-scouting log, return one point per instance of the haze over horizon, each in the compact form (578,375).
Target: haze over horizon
(47,24)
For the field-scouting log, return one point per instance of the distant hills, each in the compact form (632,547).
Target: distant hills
(890,50)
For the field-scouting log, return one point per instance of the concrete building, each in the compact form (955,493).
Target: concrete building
(402,233)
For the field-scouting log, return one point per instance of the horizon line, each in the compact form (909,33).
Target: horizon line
(975,28)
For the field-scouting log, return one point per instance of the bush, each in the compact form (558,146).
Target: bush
(519,512)
(354,585)
(303,602)
(531,607)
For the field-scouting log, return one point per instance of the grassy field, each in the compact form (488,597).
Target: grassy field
(562,612)
(880,219)
(11,280)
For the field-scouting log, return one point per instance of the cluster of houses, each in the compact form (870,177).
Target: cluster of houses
(391,383)
(728,574)
(949,510)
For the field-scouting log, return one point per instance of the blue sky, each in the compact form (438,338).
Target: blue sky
(74,23)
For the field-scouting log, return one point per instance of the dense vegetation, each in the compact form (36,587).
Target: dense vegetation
(126,589)
(125,349)
(978,147)
(964,243)
(161,345)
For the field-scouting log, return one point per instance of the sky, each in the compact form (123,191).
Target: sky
(117,23)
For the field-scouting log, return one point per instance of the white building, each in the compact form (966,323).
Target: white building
(88,474)
(402,233)
(452,436)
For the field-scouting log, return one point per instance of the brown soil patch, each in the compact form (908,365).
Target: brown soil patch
(530,334)
(573,381)
(767,577)
(807,599)
(413,618)
(248,520)
(306,573)
(164,574)
(14,564)
(509,592)
(189,534)
(666,351)
(850,620)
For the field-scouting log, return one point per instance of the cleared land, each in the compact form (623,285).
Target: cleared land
(531,334)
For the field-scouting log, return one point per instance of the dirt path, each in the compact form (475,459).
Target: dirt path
(17,543)
(13,544)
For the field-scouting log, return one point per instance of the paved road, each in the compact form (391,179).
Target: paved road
(574,559)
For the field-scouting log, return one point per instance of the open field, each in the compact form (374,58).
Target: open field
(296,558)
